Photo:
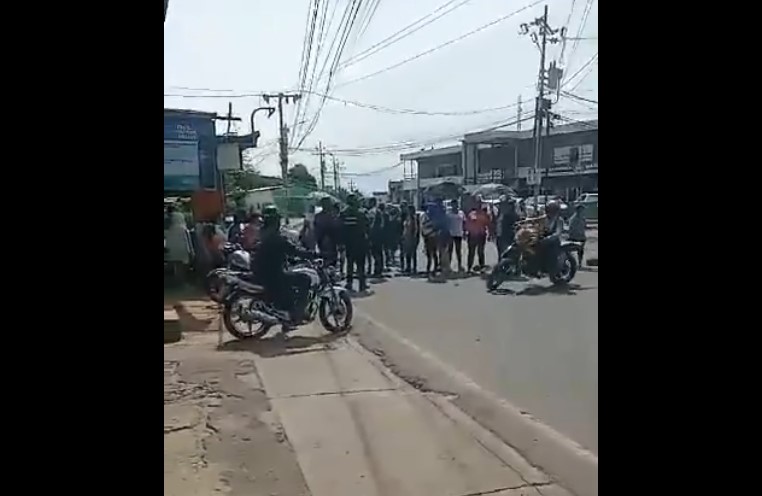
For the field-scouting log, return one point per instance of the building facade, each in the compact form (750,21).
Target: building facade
(568,162)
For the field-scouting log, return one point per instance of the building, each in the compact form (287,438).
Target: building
(569,161)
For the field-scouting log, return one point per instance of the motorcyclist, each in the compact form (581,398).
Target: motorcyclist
(288,290)
(551,229)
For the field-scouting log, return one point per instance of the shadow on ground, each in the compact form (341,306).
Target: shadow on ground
(538,290)
(279,345)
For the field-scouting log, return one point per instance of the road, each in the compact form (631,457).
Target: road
(532,345)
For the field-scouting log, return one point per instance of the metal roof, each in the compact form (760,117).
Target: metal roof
(493,136)
(434,152)
(189,113)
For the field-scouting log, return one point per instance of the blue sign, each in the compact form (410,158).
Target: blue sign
(190,146)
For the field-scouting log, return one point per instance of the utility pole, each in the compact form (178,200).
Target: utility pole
(322,165)
(539,25)
(518,115)
(335,175)
(289,98)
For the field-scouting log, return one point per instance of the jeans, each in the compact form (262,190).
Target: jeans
(290,292)
(356,259)
(456,242)
(476,247)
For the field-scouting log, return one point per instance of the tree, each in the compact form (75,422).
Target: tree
(237,183)
(298,175)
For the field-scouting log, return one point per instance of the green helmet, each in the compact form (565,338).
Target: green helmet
(270,216)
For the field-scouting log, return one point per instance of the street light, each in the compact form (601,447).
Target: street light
(254,132)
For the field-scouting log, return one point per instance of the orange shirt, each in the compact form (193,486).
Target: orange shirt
(477,223)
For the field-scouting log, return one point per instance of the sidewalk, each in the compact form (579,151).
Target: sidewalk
(220,436)
(358,430)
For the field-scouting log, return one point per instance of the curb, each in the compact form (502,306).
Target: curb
(172,329)
(564,460)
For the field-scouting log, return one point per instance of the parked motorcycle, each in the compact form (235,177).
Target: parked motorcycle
(237,263)
(524,257)
(247,303)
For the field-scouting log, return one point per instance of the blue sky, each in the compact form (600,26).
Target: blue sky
(252,46)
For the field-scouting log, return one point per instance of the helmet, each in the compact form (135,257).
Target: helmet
(352,200)
(552,207)
(240,260)
(270,216)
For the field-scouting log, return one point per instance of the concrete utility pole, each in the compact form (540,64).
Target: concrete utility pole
(289,98)
(541,105)
(335,175)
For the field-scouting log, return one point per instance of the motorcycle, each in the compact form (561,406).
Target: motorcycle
(524,257)
(247,302)
(237,264)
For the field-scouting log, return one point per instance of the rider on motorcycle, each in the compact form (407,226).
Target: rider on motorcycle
(551,226)
(289,290)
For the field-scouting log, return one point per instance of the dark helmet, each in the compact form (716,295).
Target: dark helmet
(270,216)
(552,208)
(352,200)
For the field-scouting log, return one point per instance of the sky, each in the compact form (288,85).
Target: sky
(219,52)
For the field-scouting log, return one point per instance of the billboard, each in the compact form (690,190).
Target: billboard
(190,149)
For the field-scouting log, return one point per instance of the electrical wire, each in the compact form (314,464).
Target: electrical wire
(582,24)
(442,45)
(337,58)
(577,97)
(400,35)
(409,144)
(378,108)
(590,61)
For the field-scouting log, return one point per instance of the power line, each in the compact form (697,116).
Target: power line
(577,97)
(406,145)
(354,103)
(582,24)
(401,34)
(438,47)
(590,61)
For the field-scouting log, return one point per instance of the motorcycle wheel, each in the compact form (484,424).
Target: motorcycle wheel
(345,311)
(567,272)
(498,275)
(230,318)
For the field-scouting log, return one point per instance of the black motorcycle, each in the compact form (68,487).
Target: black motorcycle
(246,302)
(529,260)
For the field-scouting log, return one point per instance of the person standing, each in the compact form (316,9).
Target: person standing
(456,220)
(477,231)
(506,223)
(428,233)
(438,217)
(577,226)
(377,231)
(392,237)
(411,234)
(326,231)
(354,238)
(179,245)
(251,231)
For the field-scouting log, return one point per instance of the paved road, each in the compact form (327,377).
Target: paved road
(536,347)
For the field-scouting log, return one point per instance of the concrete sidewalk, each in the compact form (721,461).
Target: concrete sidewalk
(359,430)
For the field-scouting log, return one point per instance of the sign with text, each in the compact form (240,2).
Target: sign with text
(190,153)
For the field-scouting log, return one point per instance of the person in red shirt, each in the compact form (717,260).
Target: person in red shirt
(477,230)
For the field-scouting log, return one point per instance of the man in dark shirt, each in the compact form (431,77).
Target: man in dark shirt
(326,231)
(289,290)
(354,237)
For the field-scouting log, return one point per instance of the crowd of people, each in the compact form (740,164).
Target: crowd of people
(367,238)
